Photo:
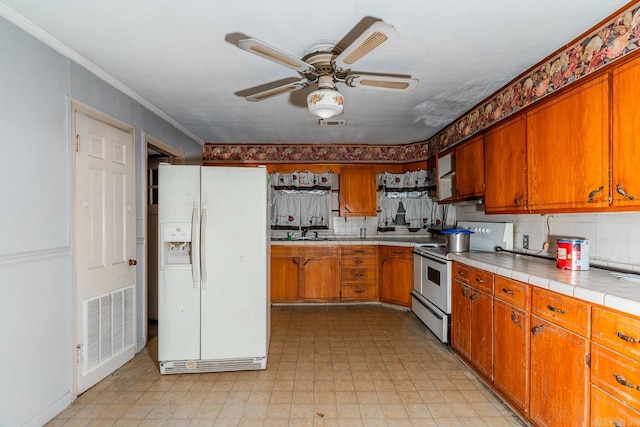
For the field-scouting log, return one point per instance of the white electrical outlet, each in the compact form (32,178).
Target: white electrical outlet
(525,241)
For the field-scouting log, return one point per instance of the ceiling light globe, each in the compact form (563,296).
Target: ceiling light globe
(325,103)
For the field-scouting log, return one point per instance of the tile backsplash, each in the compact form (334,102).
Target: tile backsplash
(614,238)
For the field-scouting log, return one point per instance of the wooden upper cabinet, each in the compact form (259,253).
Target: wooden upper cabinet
(505,167)
(357,191)
(626,128)
(470,169)
(568,150)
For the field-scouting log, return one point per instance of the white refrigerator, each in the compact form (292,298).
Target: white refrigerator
(213,278)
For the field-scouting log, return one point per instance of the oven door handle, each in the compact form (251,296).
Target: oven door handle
(431,258)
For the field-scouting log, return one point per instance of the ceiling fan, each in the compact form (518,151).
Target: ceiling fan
(327,65)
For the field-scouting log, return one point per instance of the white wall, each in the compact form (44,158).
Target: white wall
(614,237)
(36,83)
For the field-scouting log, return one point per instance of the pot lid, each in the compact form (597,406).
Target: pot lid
(457,231)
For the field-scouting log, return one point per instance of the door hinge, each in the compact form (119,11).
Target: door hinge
(587,359)
(77,143)
(78,353)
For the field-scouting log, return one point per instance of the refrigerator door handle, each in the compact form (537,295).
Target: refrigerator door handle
(203,246)
(195,259)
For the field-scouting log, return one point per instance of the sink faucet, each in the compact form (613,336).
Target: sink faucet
(304,231)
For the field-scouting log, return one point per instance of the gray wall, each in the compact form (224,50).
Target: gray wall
(36,87)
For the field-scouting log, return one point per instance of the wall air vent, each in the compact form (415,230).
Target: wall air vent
(329,122)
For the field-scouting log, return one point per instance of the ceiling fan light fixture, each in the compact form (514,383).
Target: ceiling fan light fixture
(325,102)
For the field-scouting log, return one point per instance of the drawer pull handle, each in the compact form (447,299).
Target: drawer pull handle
(359,274)
(515,319)
(396,252)
(295,261)
(625,337)
(556,310)
(536,329)
(616,424)
(359,292)
(358,261)
(460,272)
(623,193)
(624,382)
(593,194)
(508,291)
(474,296)
(359,251)
(479,280)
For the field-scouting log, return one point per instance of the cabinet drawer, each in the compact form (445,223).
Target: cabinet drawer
(562,310)
(616,374)
(358,275)
(359,261)
(461,272)
(284,250)
(609,412)
(319,252)
(481,279)
(617,331)
(403,252)
(360,292)
(359,250)
(512,291)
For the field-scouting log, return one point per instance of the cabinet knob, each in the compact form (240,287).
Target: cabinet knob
(133,262)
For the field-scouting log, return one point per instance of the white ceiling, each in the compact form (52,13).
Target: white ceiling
(175,55)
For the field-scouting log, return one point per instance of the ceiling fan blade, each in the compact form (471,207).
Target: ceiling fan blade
(271,53)
(381,82)
(278,90)
(373,37)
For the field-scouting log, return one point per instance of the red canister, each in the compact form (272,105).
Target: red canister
(572,254)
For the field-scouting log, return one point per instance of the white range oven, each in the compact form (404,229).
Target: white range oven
(431,295)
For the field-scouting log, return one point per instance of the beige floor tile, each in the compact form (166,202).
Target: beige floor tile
(329,366)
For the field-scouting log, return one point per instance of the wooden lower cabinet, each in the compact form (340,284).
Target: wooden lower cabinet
(511,353)
(396,274)
(320,274)
(285,274)
(559,376)
(359,273)
(472,316)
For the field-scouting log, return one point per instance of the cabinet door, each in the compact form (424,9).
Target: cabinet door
(481,349)
(559,376)
(461,318)
(470,169)
(357,191)
(505,171)
(320,279)
(511,353)
(285,279)
(626,128)
(568,150)
(396,275)
(396,281)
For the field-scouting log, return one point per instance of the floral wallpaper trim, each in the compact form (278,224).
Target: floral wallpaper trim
(612,41)
(617,38)
(334,153)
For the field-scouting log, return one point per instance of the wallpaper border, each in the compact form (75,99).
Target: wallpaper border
(605,44)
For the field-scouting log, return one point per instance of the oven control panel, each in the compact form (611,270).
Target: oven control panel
(488,235)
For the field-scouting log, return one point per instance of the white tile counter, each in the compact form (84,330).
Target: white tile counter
(595,285)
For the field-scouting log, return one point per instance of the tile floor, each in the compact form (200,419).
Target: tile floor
(348,365)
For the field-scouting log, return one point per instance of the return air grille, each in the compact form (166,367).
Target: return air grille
(324,122)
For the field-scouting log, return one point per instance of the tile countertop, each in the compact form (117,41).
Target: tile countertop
(409,241)
(594,285)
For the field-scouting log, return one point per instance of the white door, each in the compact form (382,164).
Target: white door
(104,250)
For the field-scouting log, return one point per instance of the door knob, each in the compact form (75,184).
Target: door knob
(133,262)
